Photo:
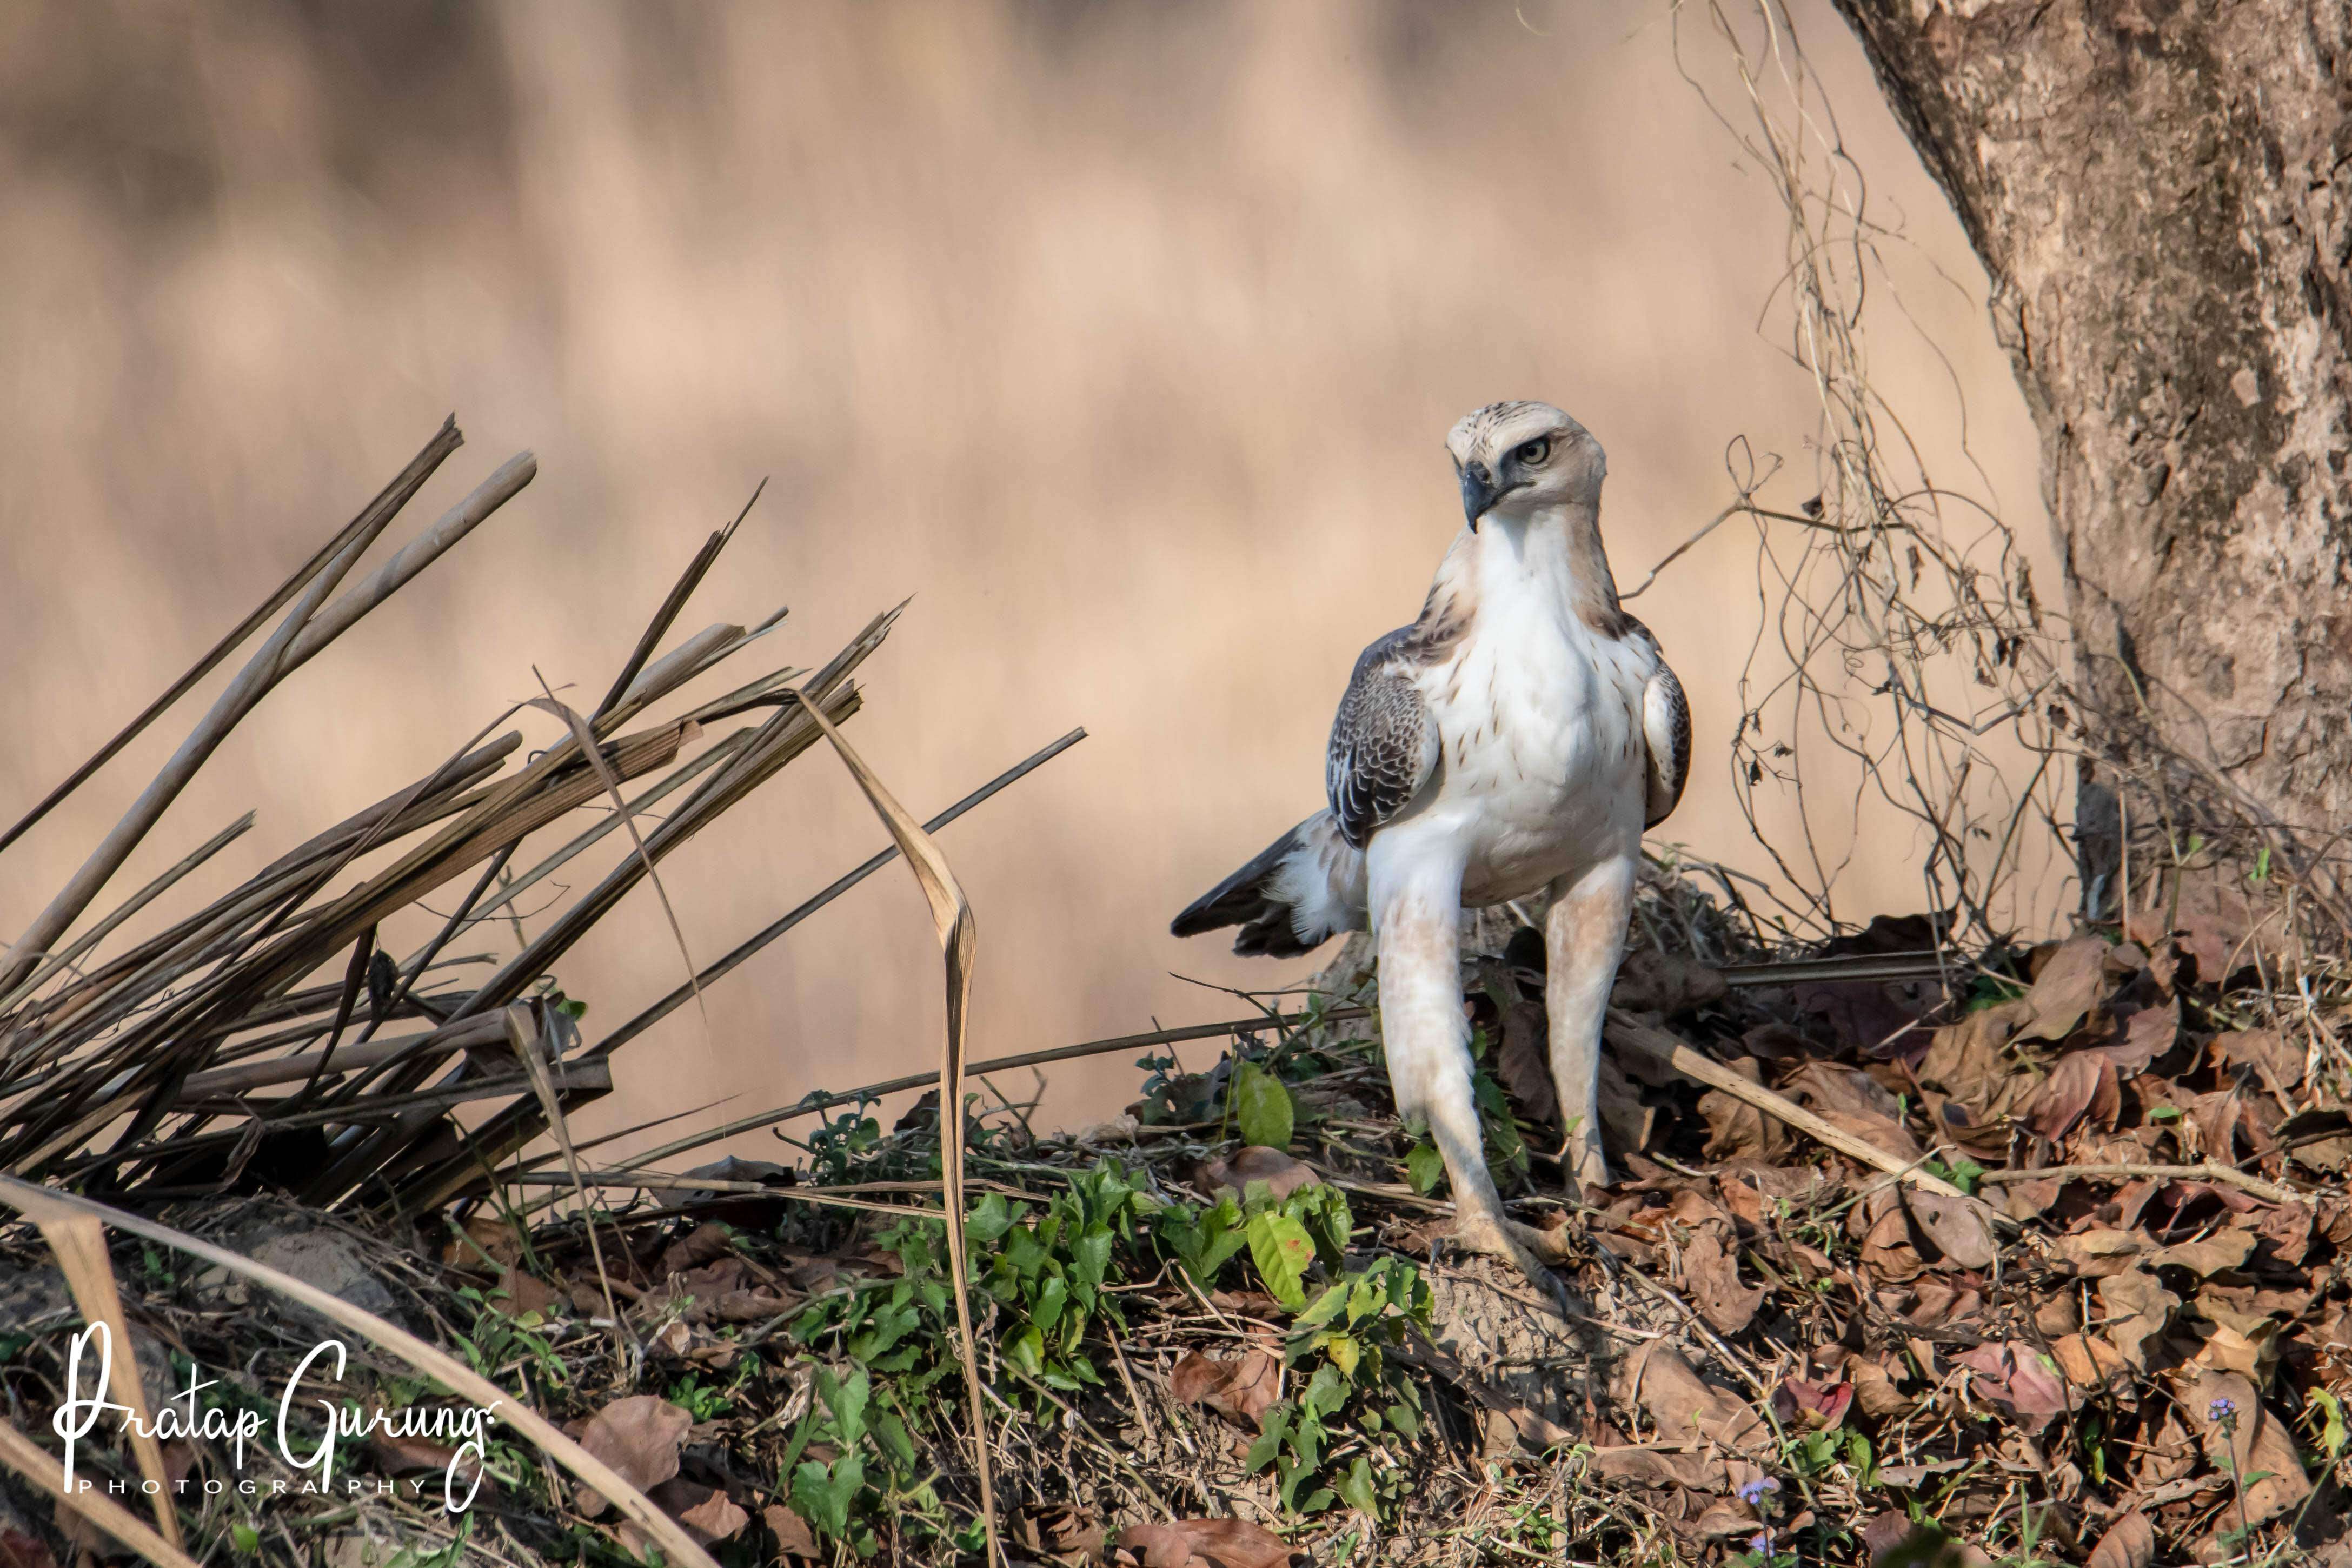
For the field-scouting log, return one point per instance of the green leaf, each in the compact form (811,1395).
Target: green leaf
(1345,1353)
(1282,1249)
(1425,1167)
(1272,1430)
(1326,1306)
(990,1219)
(1325,1391)
(1405,1419)
(822,1493)
(891,1433)
(1051,1298)
(1262,1108)
(247,1539)
(2331,1436)
(847,1398)
(1356,1485)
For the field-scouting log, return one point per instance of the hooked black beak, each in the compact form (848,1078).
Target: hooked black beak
(1478,492)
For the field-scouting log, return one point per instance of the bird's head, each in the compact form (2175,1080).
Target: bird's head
(1517,459)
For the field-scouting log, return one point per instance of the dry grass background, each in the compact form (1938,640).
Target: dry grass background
(1123,337)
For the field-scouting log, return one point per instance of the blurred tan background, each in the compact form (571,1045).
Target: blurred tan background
(1123,337)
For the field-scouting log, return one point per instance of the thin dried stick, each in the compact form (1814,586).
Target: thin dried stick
(2244,1181)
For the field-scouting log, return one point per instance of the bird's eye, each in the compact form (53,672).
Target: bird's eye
(1533,452)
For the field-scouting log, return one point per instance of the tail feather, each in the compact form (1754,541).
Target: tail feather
(1294,895)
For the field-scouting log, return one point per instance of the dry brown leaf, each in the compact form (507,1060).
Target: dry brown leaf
(1955,1225)
(2072,1353)
(714,1518)
(2129,1542)
(2071,984)
(2082,1084)
(2148,1035)
(793,1536)
(1873,1389)
(1241,1390)
(2013,1376)
(704,1244)
(1685,1407)
(527,1293)
(400,1455)
(1203,1543)
(1643,1466)
(638,1437)
(2207,1255)
(1712,1270)
(2261,1443)
(1738,1131)
(1853,1101)
(489,1234)
(2135,1308)
(1234,1173)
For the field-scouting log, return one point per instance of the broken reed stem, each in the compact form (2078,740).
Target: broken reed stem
(951,917)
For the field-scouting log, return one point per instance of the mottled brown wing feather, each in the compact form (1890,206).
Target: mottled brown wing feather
(1384,745)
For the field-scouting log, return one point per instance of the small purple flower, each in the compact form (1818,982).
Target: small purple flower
(1762,1544)
(1753,1492)
(2222,1409)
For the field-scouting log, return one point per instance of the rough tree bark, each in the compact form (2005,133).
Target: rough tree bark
(2162,192)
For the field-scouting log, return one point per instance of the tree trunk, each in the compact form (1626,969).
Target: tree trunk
(2162,192)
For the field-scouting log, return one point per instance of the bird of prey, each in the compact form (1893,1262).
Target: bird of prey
(1520,736)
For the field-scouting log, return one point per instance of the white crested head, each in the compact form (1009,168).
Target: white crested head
(1517,459)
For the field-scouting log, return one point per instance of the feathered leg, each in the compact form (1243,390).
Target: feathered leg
(1584,936)
(1417,904)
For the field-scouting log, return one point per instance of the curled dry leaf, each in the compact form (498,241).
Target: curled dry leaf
(2129,1542)
(2014,1377)
(2136,1307)
(2208,1254)
(2083,1084)
(1234,1173)
(1201,1543)
(793,1536)
(702,1245)
(709,1512)
(1956,1226)
(638,1437)
(1712,1270)
(2148,1035)
(1686,1408)
(2071,984)
(1736,1131)
(1811,1406)
(1241,1390)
